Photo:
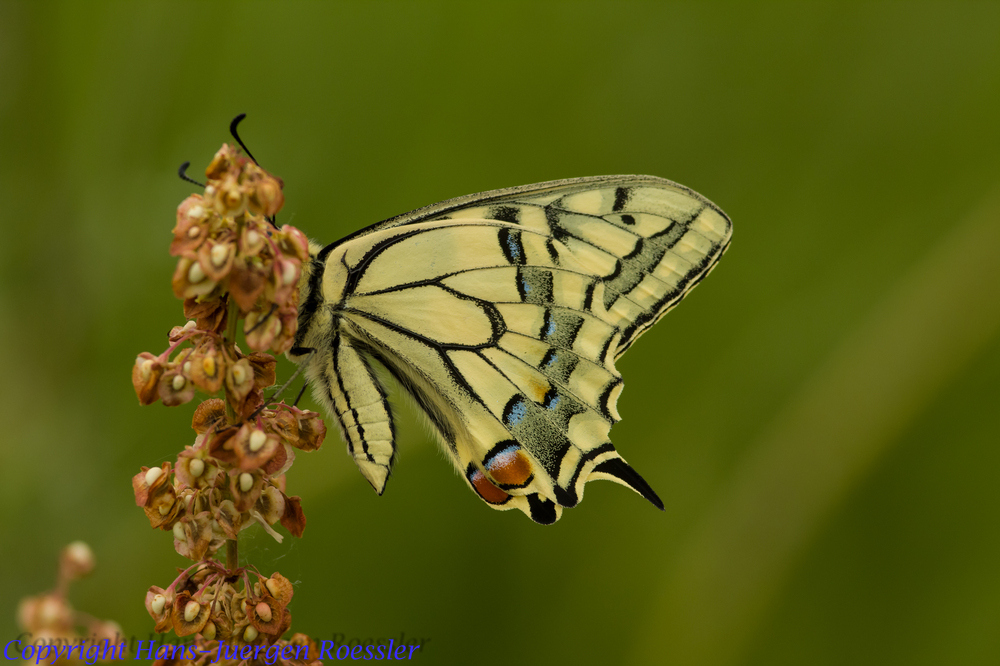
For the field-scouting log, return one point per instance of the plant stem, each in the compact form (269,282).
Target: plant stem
(233,315)
(232,545)
(232,554)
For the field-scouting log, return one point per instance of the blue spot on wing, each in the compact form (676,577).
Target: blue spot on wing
(515,251)
(501,457)
(548,325)
(516,413)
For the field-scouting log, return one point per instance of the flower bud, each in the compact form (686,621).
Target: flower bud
(145,378)
(189,279)
(267,197)
(174,388)
(195,273)
(209,631)
(53,612)
(159,601)
(289,273)
(219,254)
(219,164)
(191,610)
(280,588)
(77,560)
(196,467)
(240,374)
(153,474)
(231,196)
(257,439)
(263,612)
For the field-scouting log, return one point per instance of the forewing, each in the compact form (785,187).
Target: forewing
(646,239)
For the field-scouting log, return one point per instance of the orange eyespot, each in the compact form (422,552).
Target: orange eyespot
(482,485)
(509,466)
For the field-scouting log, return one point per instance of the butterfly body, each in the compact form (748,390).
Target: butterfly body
(503,313)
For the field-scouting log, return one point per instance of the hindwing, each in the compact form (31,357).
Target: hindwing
(503,314)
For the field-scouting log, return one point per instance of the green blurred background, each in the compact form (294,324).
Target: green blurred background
(820,416)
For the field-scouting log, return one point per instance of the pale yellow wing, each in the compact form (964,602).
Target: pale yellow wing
(503,313)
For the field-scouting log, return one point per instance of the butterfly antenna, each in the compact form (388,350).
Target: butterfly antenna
(273,219)
(263,320)
(299,396)
(236,135)
(295,375)
(182,172)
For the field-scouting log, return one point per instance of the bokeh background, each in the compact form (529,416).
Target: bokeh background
(820,416)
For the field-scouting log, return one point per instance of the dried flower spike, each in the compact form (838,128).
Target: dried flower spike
(233,266)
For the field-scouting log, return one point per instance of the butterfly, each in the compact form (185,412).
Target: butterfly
(502,314)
